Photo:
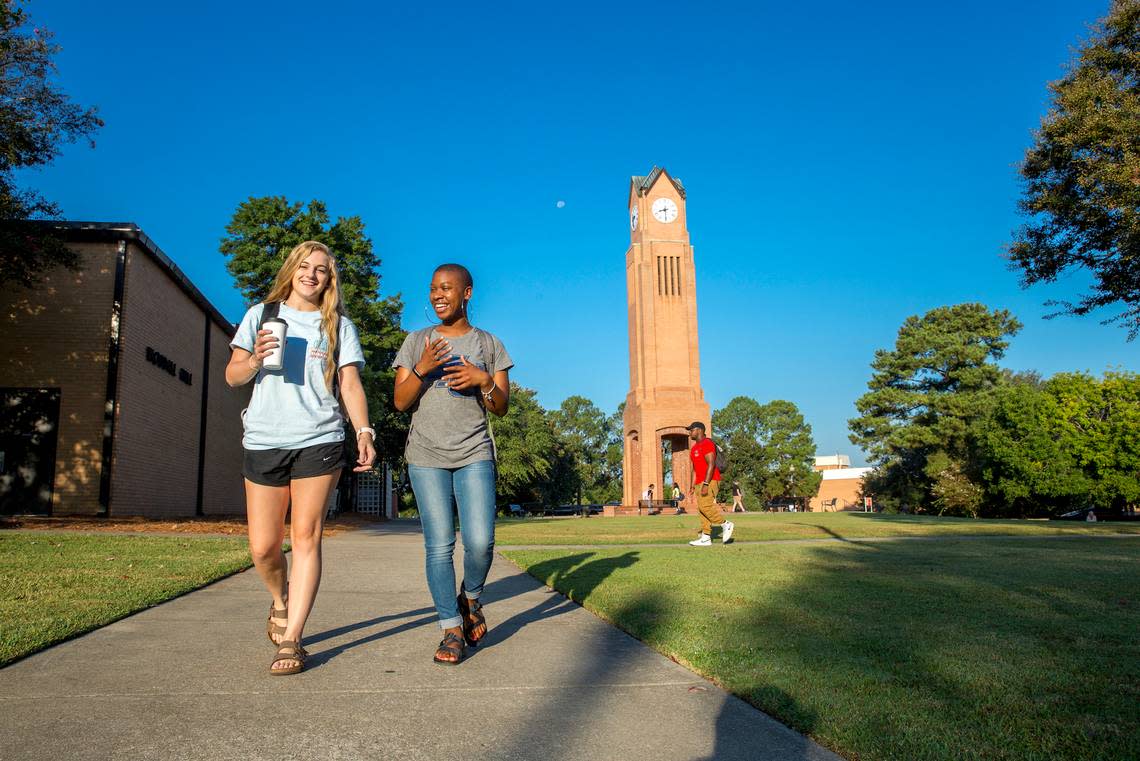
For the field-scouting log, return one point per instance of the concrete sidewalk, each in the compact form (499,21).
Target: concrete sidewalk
(189,680)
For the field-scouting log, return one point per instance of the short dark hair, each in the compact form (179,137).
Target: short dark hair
(458,269)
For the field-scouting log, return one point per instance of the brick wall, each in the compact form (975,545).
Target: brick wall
(155,466)
(56,336)
(665,392)
(223,490)
(845,492)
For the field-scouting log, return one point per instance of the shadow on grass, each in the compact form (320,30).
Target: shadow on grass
(961,651)
(576,576)
(824,529)
(610,661)
(994,649)
(738,733)
(924,520)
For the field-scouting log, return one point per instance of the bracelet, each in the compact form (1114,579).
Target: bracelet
(366,429)
(488,394)
(416,373)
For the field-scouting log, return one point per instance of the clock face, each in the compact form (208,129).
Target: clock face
(664,210)
(633,217)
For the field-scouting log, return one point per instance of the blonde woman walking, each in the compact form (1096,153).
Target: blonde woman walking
(294,433)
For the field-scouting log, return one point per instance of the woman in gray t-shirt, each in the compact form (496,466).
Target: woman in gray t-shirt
(449,377)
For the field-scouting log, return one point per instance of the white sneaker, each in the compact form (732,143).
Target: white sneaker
(726,536)
(704,540)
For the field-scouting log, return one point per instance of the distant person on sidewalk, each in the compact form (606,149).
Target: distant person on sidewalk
(449,377)
(703,455)
(737,498)
(676,494)
(294,433)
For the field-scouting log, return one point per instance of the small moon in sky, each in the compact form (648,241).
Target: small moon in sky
(560,204)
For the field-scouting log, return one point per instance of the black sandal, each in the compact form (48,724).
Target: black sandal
(458,650)
(469,607)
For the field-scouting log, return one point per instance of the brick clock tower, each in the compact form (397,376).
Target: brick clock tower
(664,358)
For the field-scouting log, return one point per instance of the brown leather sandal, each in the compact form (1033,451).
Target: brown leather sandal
(289,650)
(472,608)
(458,650)
(272,628)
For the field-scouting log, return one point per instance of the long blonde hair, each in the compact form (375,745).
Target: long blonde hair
(331,309)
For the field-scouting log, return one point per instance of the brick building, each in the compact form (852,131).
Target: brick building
(842,485)
(664,352)
(113,396)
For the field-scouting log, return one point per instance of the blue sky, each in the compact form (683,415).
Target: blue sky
(847,164)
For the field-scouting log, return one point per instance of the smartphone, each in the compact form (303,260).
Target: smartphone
(452,361)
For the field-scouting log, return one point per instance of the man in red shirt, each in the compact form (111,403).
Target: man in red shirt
(703,455)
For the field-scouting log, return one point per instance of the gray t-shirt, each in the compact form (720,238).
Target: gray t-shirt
(449,428)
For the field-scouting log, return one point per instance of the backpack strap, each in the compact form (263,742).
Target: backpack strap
(487,346)
(336,363)
(270,309)
(418,337)
(417,340)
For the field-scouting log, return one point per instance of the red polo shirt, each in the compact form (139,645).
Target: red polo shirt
(697,454)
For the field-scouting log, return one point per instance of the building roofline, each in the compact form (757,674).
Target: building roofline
(642,184)
(105,232)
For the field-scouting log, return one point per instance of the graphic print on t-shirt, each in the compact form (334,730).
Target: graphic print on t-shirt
(320,350)
(293,360)
(294,408)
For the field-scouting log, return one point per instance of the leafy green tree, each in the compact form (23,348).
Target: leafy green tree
(1069,442)
(769,446)
(561,484)
(36,120)
(1082,175)
(612,465)
(526,447)
(1023,464)
(587,436)
(953,491)
(260,236)
(924,396)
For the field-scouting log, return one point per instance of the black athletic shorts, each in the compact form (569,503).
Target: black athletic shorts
(277,467)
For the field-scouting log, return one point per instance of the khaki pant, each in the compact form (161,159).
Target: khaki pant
(710,513)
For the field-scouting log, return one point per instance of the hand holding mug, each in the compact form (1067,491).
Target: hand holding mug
(263,346)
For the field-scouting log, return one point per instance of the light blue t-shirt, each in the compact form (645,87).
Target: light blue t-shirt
(292,407)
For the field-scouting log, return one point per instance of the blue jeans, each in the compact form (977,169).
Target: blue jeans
(473,488)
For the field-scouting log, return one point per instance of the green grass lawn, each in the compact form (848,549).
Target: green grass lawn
(957,649)
(55,586)
(674,529)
